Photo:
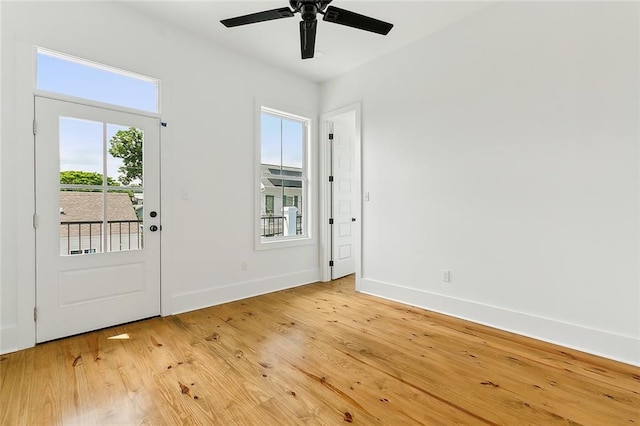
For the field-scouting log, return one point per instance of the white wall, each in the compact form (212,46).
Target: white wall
(505,149)
(208,101)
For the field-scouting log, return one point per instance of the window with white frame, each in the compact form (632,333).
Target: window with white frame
(284,202)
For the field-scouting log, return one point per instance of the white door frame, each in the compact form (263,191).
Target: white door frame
(325,192)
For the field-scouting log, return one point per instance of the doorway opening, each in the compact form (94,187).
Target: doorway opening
(340,162)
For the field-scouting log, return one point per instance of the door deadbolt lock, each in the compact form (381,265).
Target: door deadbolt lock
(153,214)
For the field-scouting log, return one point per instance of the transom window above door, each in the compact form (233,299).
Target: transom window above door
(70,76)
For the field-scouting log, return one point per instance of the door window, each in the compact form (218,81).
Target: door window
(101,187)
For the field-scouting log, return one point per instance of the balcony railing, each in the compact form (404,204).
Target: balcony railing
(273,226)
(88,237)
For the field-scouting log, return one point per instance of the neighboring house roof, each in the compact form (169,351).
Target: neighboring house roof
(273,181)
(78,206)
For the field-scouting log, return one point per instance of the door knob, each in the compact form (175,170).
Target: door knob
(153,228)
(353,219)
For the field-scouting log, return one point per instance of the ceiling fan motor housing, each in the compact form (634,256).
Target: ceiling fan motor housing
(309,8)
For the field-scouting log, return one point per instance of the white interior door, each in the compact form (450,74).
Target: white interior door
(343,191)
(97,244)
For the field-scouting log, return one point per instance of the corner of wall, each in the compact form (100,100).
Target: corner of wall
(625,349)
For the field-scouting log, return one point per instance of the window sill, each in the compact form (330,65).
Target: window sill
(276,243)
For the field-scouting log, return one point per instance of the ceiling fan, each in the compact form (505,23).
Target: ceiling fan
(309,9)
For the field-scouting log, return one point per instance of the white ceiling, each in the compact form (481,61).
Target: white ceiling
(278,42)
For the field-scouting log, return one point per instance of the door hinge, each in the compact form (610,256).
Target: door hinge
(331,221)
(330,178)
(34,127)
(330,136)
(35,221)
(331,263)
(35,313)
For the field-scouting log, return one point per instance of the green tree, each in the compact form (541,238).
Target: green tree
(79,177)
(127,144)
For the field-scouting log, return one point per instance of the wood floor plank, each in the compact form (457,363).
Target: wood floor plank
(320,354)
(478,352)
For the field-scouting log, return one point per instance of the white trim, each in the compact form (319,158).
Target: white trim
(325,193)
(212,296)
(96,104)
(598,342)
(9,339)
(93,64)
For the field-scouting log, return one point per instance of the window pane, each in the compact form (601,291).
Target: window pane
(283,178)
(292,143)
(269,204)
(124,220)
(81,213)
(81,160)
(69,76)
(124,155)
(292,213)
(271,131)
(271,223)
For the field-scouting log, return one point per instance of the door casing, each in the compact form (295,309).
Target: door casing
(326,120)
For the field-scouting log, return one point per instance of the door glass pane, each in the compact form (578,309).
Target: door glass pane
(124,152)
(81,217)
(81,159)
(124,219)
(124,155)
(81,178)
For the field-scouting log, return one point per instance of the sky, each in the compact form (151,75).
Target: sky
(82,147)
(276,129)
(81,141)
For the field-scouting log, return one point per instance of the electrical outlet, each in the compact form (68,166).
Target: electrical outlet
(244,266)
(446,276)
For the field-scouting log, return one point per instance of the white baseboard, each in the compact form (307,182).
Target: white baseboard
(9,339)
(191,301)
(617,347)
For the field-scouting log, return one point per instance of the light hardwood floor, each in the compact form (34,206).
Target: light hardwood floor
(317,354)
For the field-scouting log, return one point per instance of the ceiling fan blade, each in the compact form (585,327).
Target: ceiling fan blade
(355,20)
(308,38)
(252,18)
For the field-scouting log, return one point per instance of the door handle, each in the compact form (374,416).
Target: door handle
(153,228)
(353,219)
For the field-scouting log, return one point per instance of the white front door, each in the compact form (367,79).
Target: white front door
(343,190)
(97,240)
